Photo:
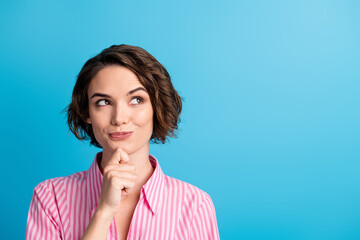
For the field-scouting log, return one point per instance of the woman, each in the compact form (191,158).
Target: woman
(123,99)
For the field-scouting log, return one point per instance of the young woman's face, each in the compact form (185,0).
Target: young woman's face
(119,103)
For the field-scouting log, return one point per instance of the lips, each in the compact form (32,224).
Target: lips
(120,135)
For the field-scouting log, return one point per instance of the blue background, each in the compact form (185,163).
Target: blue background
(270,123)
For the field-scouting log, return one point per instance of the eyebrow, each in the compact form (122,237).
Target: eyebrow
(108,96)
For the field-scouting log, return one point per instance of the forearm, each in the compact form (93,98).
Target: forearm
(98,226)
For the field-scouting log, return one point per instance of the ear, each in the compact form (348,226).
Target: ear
(88,121)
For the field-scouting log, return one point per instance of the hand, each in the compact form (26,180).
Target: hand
(118,178)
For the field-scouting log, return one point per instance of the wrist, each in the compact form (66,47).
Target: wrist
(104,213)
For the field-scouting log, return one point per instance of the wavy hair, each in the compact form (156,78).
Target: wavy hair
(166,102)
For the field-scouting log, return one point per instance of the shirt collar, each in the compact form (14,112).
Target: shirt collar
(152,190)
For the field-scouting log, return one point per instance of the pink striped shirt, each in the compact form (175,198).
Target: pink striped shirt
(61,208)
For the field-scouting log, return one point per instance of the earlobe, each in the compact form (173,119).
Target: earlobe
(88,121)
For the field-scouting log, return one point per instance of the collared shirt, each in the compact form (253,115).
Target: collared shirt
(61,208)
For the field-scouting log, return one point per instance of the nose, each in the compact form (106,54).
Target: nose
(120,115)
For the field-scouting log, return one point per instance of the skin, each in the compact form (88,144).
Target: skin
(125,163)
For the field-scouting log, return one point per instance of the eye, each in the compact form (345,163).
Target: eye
(137,100)
(102,100)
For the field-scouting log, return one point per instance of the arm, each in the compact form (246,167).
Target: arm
(204,224)
(42,217)
(99,225)
(118,179)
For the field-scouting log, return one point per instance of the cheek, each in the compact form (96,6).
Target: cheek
(98,122)
(143,117)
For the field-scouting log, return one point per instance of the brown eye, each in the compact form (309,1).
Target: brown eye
(137,100)
(103,102)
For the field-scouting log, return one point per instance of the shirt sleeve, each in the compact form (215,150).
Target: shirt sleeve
(204,225)
(42,216)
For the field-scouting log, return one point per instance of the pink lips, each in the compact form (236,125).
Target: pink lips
(120,135)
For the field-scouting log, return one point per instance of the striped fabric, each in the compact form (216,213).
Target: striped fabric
(62,207)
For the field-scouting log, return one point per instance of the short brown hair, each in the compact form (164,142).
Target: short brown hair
(165,100)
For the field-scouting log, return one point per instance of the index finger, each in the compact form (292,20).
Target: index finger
(119,156)
(124,157)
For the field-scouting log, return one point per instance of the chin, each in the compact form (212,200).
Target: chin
(111,146)
(122,146)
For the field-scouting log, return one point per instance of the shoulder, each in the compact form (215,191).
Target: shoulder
(56,186)
(195,210)
(192,195)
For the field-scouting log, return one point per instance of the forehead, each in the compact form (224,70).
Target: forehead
(115,79)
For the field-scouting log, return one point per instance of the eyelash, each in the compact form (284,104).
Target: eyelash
(136,97)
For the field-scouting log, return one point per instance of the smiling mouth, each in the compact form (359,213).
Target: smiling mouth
(120,135)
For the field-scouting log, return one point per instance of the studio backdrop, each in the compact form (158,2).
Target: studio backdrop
(270,122)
